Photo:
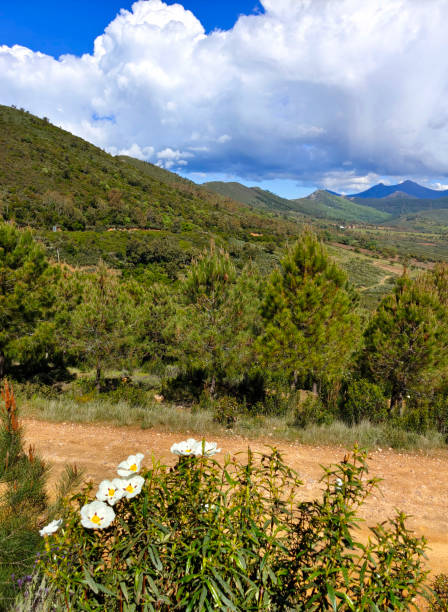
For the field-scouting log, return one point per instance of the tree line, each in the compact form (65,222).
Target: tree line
(223,331)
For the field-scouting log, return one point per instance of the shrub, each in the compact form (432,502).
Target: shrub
(363,400)
(225,411)
(22,499)
(311,411)
(201,536)
(439,602)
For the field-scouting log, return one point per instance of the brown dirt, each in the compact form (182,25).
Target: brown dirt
(415,483)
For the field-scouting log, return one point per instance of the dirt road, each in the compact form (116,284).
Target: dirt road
(415,483)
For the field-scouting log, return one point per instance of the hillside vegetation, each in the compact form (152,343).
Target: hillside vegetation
(49,177)
(322,204)
(252,196)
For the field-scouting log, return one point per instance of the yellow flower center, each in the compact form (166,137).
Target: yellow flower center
(133,467)
(188,450)
(96,519)
(111,492)
(129,488)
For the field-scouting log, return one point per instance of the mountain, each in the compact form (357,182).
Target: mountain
(125,211)
(252,196)
(406,188)
(48,177)
(323,204)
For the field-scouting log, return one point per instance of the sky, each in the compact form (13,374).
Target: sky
(290,95)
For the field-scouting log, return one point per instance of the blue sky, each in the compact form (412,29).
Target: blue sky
(56,27)
(291,95)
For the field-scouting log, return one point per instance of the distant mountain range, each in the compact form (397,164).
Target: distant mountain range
(379,204)
(404,189)
(321,204)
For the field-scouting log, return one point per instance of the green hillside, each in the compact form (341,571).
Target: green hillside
(423,221)
(401,204)
(252,196)
(324,205)
(50,178)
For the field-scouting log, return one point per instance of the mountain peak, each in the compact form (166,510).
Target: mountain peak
(407,187)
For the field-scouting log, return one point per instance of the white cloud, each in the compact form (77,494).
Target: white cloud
(134,150)
(348,181)
(304,91)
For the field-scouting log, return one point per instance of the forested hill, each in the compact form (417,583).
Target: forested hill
(252,196)
(48,177)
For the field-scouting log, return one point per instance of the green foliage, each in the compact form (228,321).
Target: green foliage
(101,326)
(407,339)
(323,204)
(439,602)
(311,411)
(22,500)
(226,411)
(363,400)
(311,326)
(215,324)
(27,304)
(206,536)
(49,178)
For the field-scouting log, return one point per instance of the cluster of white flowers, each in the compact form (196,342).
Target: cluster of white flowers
(194,447)
(99,514)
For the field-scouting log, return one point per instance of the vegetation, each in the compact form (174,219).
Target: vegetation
(22,500)
(309,310)
(322,204)
(406,341)
(206,536)
(27,304)
(218,316)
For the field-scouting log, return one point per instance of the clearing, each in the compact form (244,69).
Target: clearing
(415,483)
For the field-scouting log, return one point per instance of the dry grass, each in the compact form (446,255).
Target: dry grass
(170,417)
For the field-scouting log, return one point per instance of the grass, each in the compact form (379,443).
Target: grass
(170,417)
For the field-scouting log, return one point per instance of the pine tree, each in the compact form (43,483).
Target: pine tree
(102,326)
(406,341)
(27,301)
(311,324)
(215,325)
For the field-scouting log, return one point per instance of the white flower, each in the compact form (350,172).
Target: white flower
(132,487)
(96,515)
(185,448)
(50,528)
(339,484)
(130,466)
(110,491)
(207,449)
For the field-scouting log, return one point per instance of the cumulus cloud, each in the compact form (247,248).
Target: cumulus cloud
(324,92)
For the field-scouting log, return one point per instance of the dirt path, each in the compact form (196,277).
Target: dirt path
(415,483)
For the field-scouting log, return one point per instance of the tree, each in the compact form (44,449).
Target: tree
(27,301)
(215,324)
(311,324)
(102,325)
(406,341)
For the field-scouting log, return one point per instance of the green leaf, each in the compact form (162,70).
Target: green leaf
(124,590)
(90,581)
(332,597)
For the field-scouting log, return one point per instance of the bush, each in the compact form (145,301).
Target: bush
(439,602)
(225,411)
(201,536)
(311,411)
(361,401)
(22,499)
